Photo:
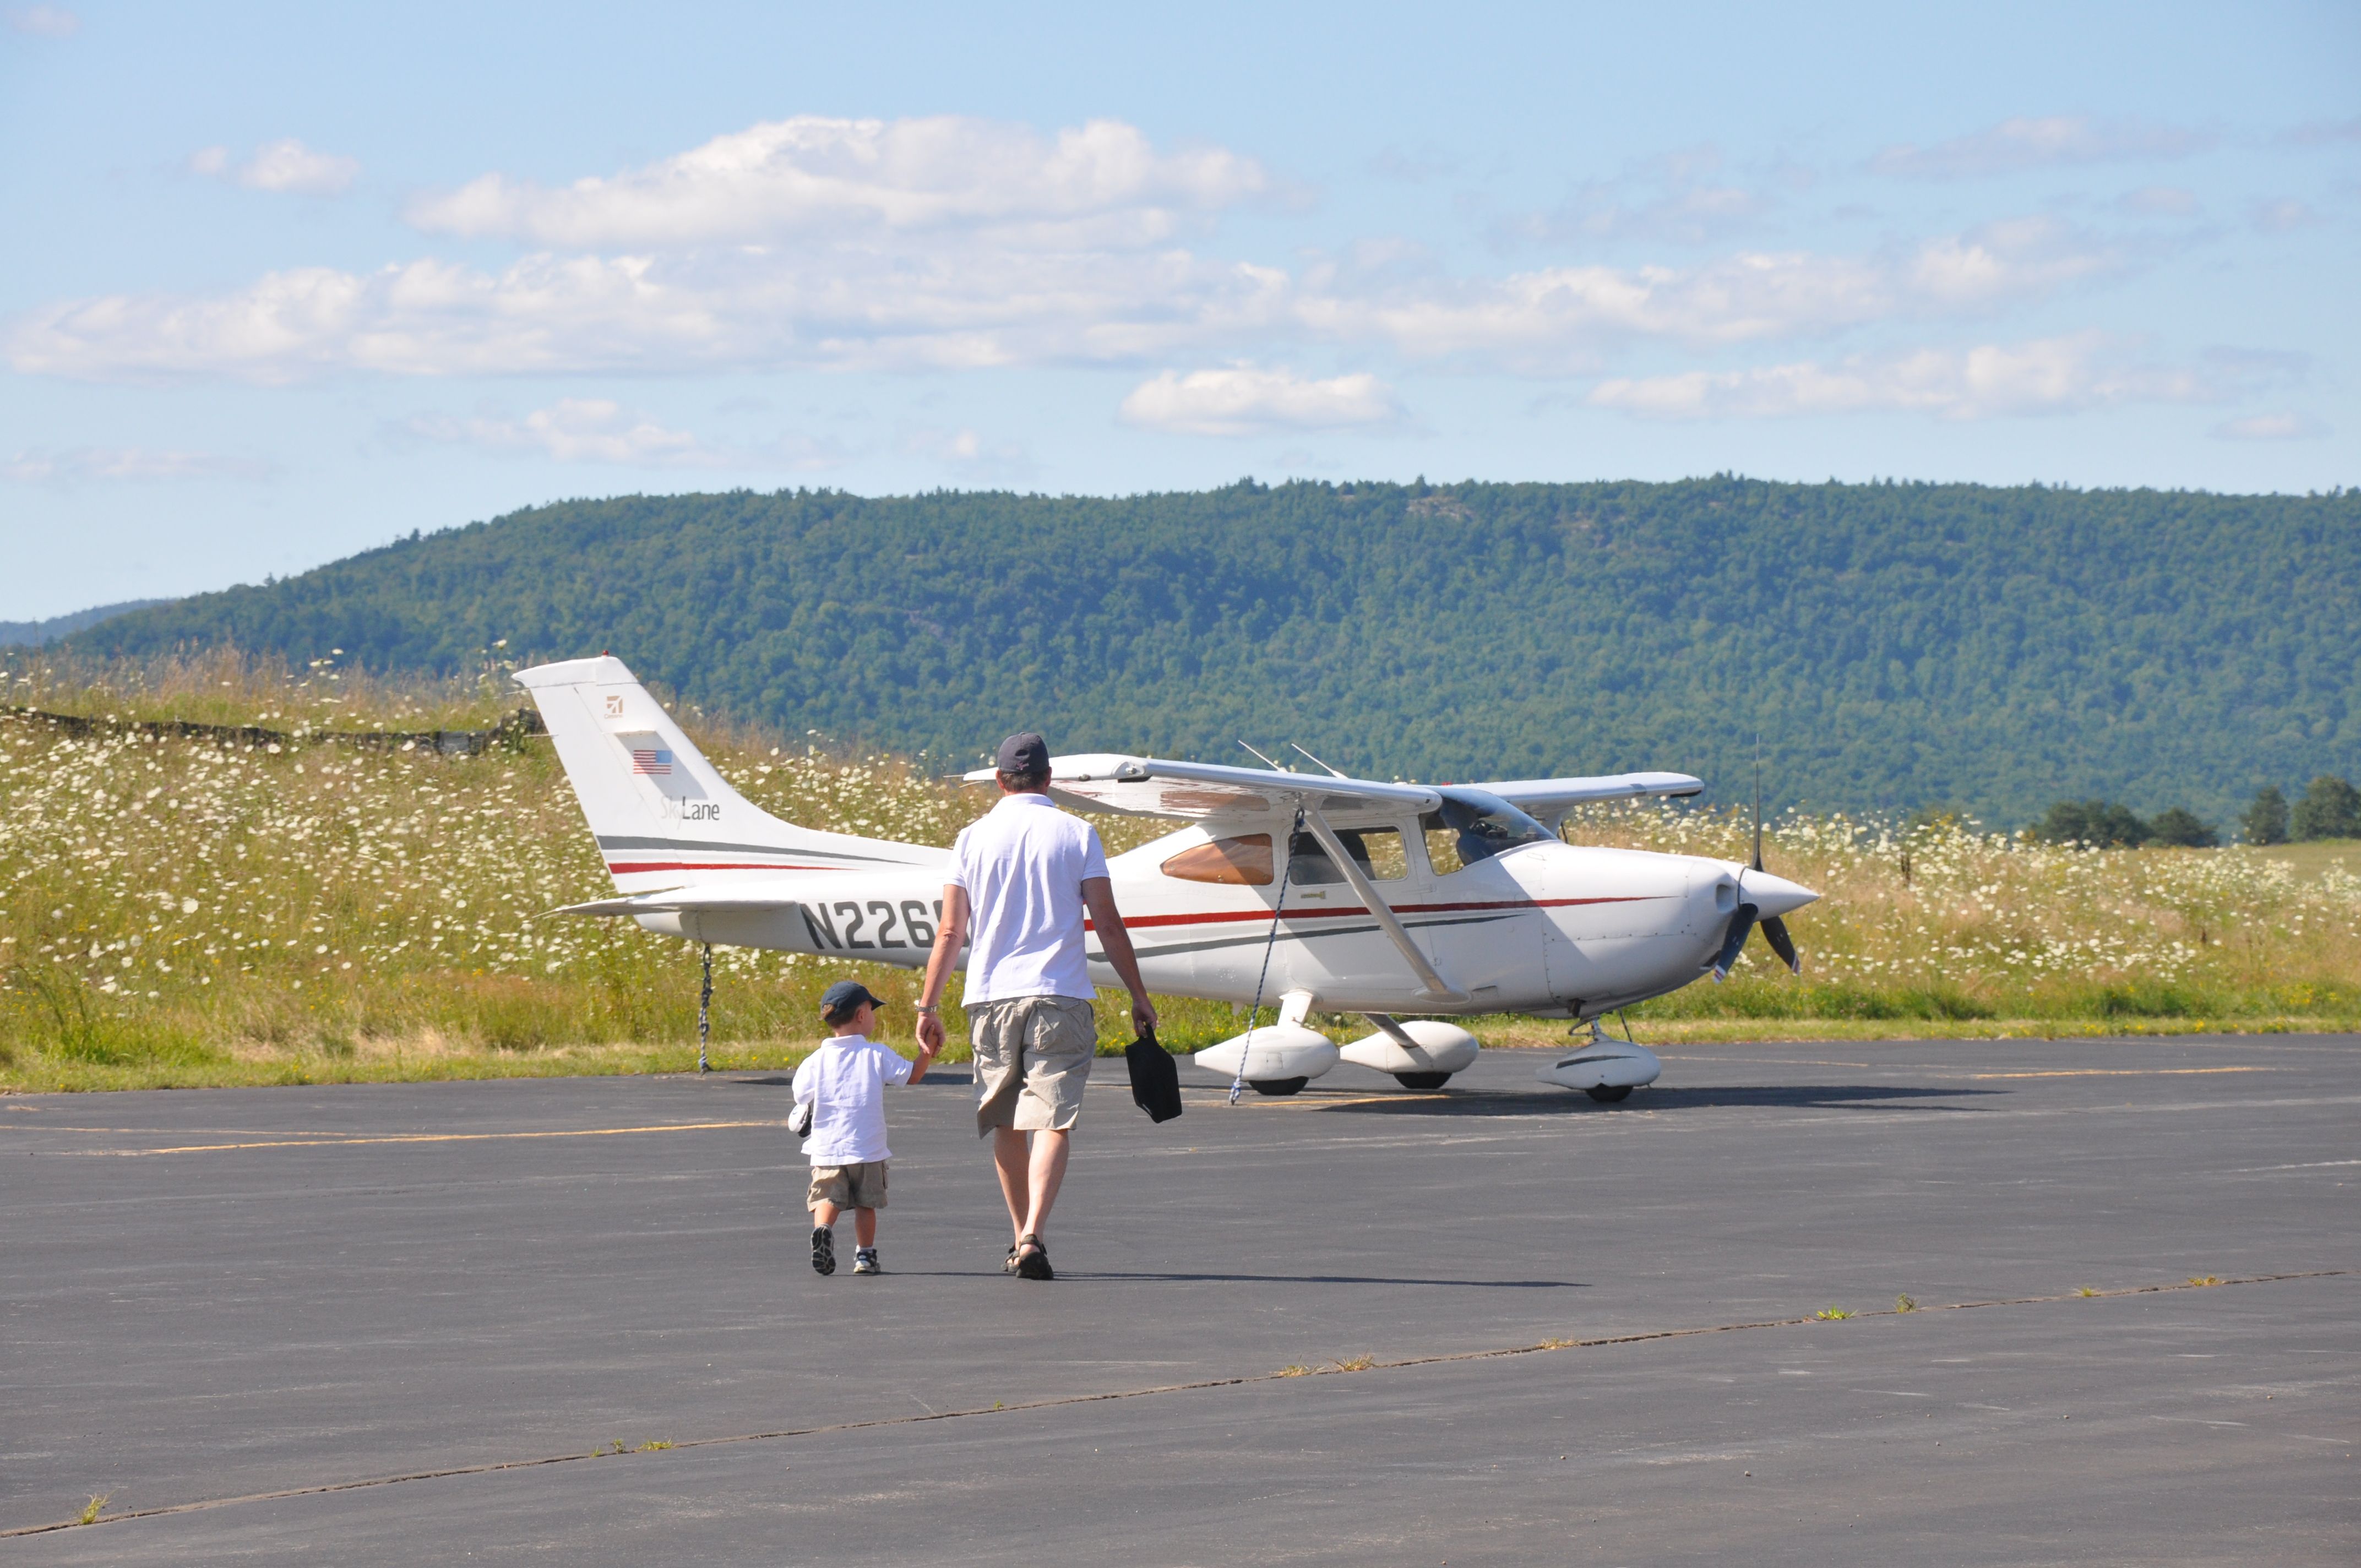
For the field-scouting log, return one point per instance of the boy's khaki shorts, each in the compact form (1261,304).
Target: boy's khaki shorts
(1033,1058)
(859,1185)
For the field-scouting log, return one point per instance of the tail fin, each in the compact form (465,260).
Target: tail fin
(661,814)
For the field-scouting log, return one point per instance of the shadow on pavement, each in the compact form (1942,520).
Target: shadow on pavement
(1178,1278)
(1567,1101)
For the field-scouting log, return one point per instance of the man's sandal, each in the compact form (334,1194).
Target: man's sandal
(1008,1264)
(1032,1259)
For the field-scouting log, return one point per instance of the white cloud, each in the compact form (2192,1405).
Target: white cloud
(574,430)
(2045,376)
(1558,320)
(286,166)
(948,309)
(2325,133)
(1682,197)
(2159,201)
(951,243)
(2271,427)
(39,465)
(2040,142)
(1102,183)
(2282,217)
(44,21)
(1242,400)
(970,455)
(599,430)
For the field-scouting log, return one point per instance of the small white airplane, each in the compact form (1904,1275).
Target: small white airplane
(1322,893)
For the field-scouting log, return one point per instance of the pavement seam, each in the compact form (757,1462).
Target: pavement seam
(1543,1347)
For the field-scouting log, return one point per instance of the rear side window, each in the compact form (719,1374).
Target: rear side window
(1243,861)
(1376,851)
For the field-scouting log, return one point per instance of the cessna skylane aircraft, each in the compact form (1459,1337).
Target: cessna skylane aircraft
(1320,892)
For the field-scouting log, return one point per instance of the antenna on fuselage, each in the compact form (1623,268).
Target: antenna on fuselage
(1266,761)
(1758,800)
(1332,772)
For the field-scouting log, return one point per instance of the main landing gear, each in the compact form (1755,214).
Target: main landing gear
(1422,1079)
(1277,1085)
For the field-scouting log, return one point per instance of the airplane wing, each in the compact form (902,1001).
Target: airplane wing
(1548,800)
(1152,787)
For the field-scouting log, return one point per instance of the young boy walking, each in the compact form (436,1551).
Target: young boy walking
(843,1082)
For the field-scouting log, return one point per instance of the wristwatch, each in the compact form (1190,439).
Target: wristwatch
(928,1007)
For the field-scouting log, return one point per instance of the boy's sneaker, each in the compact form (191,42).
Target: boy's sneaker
(823,1249)
(864,1261)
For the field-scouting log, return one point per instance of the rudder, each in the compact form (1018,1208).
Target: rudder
(660,812)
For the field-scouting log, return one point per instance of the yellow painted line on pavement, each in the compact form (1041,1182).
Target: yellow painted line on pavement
(432,1139)
(2124,1071)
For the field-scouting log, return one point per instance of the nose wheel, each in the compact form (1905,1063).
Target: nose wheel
(1422,1079)
(1609,1093)
(1277,1085)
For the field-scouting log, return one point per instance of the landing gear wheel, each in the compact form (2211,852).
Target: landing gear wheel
(1277,1085)
(1609,1094)
(1422,1079)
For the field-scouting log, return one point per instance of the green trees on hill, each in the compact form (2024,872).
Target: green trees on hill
(2331,809)
(1892,644)
(2109,825)
(2266,821)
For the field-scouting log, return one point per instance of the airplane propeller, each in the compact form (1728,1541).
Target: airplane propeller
(1747,916)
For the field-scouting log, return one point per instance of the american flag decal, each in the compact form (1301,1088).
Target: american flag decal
(651,761)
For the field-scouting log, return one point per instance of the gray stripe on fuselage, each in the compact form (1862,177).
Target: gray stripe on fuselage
(1284,936)
(704,846)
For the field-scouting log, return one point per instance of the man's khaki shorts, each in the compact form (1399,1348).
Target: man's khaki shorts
(859,1185)
(1032,1057)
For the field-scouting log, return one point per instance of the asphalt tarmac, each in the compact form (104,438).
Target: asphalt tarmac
(394,1324)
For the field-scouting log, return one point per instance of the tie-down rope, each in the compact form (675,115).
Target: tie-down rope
(1287,869)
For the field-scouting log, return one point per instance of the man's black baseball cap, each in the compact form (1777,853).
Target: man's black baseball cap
(1024,753)
(842,997)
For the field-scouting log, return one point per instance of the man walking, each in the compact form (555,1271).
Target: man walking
(1021,880)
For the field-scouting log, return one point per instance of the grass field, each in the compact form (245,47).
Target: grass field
(186,912)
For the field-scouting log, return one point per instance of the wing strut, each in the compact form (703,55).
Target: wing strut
(1434,987)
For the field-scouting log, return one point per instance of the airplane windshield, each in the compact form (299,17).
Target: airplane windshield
(1473,826)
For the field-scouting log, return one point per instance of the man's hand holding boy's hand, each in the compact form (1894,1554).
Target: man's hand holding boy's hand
(929,1033)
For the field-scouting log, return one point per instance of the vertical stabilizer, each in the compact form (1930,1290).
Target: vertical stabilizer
(661,814)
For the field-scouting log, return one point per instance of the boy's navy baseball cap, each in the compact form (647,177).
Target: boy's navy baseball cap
(844,996)
(1023,754)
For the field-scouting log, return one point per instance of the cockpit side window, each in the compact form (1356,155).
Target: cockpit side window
(1243,861)
(1473,826)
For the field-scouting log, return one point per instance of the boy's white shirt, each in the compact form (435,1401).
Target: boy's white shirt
(844,1080)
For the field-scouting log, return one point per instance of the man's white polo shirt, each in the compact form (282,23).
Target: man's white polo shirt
(1023,866)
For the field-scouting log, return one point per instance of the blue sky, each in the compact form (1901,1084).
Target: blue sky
(285,282)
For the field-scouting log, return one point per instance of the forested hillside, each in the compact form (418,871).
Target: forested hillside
(1896,645)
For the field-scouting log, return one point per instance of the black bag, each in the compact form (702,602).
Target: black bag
(1155,1082)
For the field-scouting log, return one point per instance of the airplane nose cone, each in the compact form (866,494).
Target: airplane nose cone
(1774,895)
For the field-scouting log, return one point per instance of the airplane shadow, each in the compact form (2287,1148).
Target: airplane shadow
(1568,1102)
